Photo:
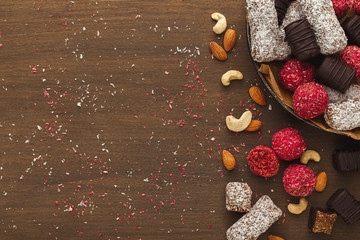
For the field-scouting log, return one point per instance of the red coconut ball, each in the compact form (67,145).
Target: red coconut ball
(310,100)
(295,73)
(351,56)
(262,161)
(299,180)
(288,144)
(341,7)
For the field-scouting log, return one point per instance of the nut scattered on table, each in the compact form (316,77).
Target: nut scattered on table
(309,155)
(218,51)
(231,75)
(298,208)
(221,24)
(321,182)
(272,237)
(254,126)
(228,160)
(229,39)
(257,95)
(238,125)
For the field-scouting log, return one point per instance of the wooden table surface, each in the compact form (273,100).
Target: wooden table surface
(112,124)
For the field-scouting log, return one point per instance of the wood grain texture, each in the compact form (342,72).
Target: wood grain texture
(108,133)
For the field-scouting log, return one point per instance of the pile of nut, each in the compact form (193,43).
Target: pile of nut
(229,37)
(245,122)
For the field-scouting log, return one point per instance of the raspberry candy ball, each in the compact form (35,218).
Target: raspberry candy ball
(341,7)
(310,100)
(299,180)
(288,144)
(263,162)
(351,56)
(295,73)
(356,6)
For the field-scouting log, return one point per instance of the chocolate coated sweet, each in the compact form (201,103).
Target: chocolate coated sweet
(352,29)
(302,40)
(321,220)
(335,74)
(344,204)
(281,7)
(346,160)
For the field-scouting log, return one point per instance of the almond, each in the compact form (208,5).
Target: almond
(254,126)
(272,237)
(218,51)
(257,95)
(321,182)
(228,160)
(229,39)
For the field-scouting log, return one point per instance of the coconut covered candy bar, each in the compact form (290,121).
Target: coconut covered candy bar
(260,217)
(267,39)
(293,14)
(329,34)
(238,197)
(343,115)
(281,7)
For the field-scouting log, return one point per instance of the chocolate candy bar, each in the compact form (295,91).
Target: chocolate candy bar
(329,34)
(335,74)
(346,160)
(238,197)
(260,217)
(267,39)
(281,7)
(321,221)
(344,204)
(302,41)
(351,27)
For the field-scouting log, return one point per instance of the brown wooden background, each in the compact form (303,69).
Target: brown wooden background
(98,142)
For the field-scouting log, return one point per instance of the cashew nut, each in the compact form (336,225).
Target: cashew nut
(238,125)
(220,26)
(230,75)
(298,208)
(310,155)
